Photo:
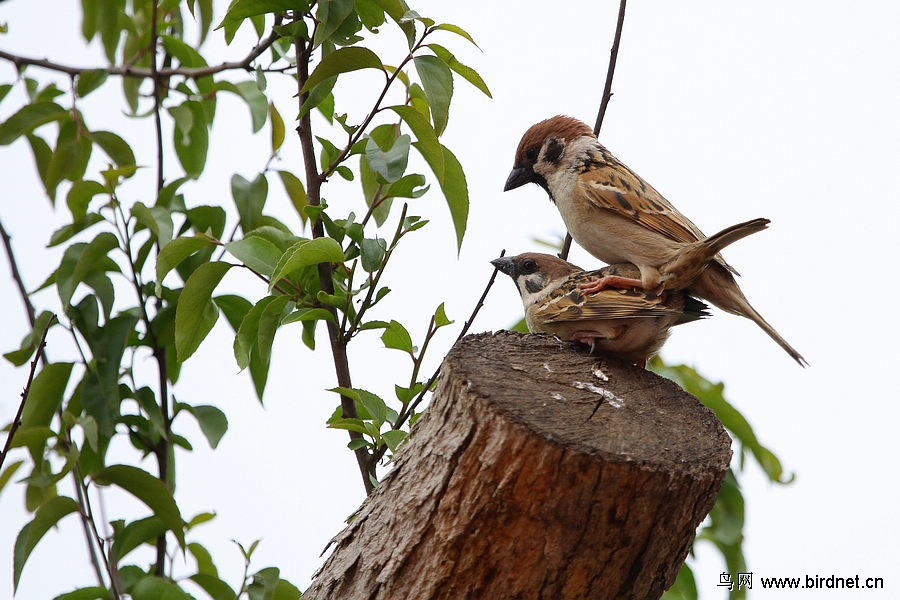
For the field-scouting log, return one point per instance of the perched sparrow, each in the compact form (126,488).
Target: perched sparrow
(624,323)
(618,217)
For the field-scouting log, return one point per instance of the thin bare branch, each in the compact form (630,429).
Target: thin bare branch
(407,412)
(604,101)
(17,420)
(610,71)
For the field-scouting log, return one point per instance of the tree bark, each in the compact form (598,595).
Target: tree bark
(538,471)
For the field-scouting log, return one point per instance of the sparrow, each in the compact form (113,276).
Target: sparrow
(620,218)
(623,323)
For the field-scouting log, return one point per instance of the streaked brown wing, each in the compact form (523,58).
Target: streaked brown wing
(610,185)
(573,305)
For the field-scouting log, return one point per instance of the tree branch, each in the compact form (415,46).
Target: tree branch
(30,313)
(604,101)
(146,73)
(407,412)
(326,272)
(17,420)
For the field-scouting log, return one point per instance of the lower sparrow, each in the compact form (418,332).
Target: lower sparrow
(624,323)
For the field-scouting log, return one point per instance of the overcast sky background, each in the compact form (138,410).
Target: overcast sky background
(785,110)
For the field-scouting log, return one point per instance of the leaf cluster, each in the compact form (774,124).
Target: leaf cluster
(142,282)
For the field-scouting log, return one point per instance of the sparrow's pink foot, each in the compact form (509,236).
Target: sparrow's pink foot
(613,281)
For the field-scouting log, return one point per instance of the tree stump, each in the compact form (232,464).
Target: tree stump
(538,471)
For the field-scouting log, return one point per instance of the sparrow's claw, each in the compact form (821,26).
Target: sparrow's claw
(613,281)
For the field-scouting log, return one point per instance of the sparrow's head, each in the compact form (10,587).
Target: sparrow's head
(544,142)
(535,274)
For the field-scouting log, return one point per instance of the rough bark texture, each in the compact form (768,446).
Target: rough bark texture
(538,471)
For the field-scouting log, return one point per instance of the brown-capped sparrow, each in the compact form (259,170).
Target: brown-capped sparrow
(624,323)
(619,218)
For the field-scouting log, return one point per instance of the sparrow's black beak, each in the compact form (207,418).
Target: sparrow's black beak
(506,265)
(518,177)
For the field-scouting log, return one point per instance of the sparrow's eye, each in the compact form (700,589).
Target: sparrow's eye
(529,266)
(531,154)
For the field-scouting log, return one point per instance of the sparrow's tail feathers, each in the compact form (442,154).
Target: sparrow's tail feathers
(757,318)
(719,287)
(716,242)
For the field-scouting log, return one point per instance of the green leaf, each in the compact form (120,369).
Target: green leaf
(388,163)
(81,259)
(712,395)
(285,590)
(67,232)
(70,157)
(247,334)
(393,438)
(256,252)
(156,219)
(684,588)
(308,314)
(30,341)
(454,29)
(440,317)
(215,587)
(242,9)
(372,253)
(426,139)
(467,73)
(408,186)
(338,23)
(88,81)
(343,60)
(47,516)
(205,564)
(305,253)
(269,321)
(115,147)
(295,191)
(100,385)
(321,97)
(149,490)
(453,184)
(213,422)
(173,253)
(234,307)
(136,533)
(196,314)
(191,137)
(396,336)
(157,588)
(80,195)
(87,593)
(250,199)
(185,54)
(10,471)
(199,519)
(46,394)
(277,127)
(28,118)
(437,80)
(42,153)
(256,102)
(375,406)
(370,14)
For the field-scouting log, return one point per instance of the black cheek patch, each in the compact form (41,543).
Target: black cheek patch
(554,151)
(534,284)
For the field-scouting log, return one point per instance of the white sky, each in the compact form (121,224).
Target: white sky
(770,109)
